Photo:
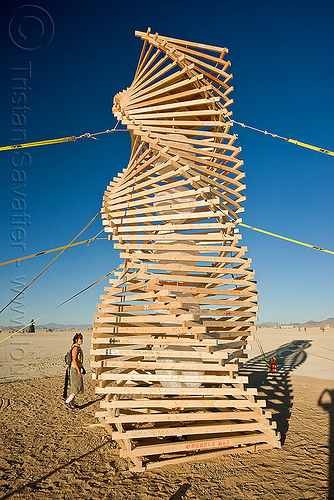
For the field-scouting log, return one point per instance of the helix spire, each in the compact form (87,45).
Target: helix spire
(172,329)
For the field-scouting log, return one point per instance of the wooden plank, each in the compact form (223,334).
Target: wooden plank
(162,96)
(213,236)
(169,227)
(145,36)
(144,125)
(203,291)
(144,70)
(163,85)
(183,60)
(192,151)
(198,247)
(143,55)
(143,195)
(170,106)
(149,167)
(162,208)
(166,90)
(198,215)
(203,456)
(185,417)
(149,318)
(187,430)
(152,330)
(198,279)
(156,353)
(169,128)
(227,312)
(127,188)
(144,170)
(172,404)
(156,365)
(205,55)
(125,204)
(163,341)
(168,289)
(180,114)
(187,391)
(202,64)
(140,84)
(212,271)
(173,255)
(205,379)
(204,444)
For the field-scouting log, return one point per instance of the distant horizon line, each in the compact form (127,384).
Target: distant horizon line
(329,321)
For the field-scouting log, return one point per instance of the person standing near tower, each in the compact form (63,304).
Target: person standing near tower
(76,371)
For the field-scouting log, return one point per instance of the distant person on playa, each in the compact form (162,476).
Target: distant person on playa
(76,371)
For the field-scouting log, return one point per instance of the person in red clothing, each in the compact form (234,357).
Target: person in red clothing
(273,366)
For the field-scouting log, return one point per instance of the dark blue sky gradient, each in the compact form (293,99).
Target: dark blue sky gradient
(282,62)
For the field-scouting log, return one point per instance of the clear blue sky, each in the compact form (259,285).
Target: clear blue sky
(282,62)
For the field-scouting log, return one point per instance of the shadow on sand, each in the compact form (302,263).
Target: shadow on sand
(276,388)
(179,494)
(326,401)
(34,484)
(81,407)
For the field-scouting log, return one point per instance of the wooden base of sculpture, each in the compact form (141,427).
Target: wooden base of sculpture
(172,329)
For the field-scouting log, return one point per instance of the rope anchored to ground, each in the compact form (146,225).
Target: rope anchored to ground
(88,135)
(62,303)
(285,238)
(46,267)
(72,138)
(293,141)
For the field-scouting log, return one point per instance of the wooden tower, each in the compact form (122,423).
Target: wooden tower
(171,331)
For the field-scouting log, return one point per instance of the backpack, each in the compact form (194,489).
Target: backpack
(68,358)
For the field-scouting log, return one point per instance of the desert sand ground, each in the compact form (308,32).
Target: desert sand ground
(48,452)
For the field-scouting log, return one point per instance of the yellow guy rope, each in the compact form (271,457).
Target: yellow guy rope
(293,141)
(61,139)
(45,268)
(39,143)
(285,238)
(279,236)
(95,237)
(73,138)
(261,349)
(52,250)
(62,303)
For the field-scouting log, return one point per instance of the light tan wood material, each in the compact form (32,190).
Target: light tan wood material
(172,329)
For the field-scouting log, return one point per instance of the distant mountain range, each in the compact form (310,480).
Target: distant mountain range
(310,323)
(59,326)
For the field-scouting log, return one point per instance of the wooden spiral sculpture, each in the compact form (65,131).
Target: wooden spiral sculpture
(171,331)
